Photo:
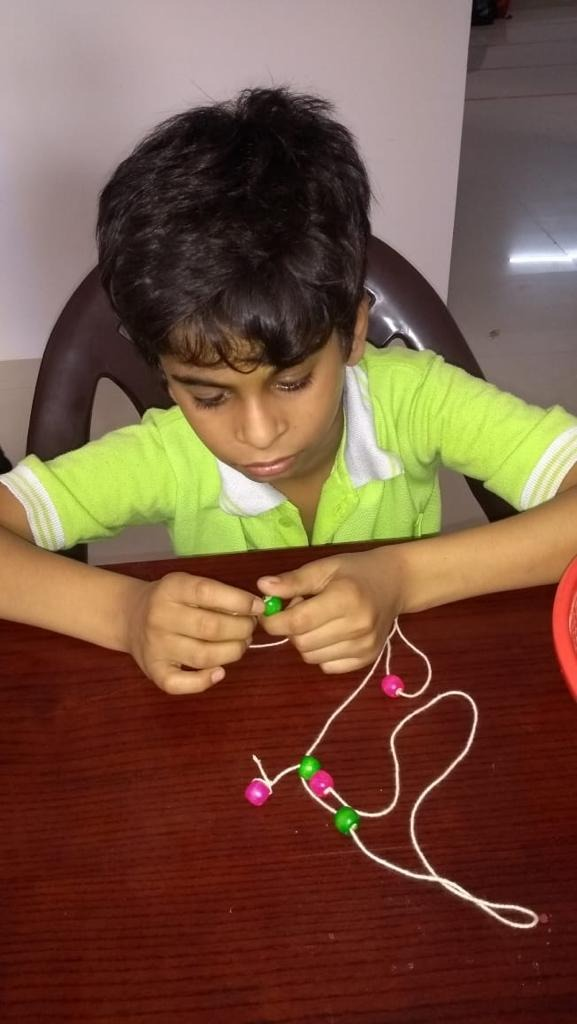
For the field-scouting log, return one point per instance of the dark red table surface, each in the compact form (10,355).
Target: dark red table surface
(138,884)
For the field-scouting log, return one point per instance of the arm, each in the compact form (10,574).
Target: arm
(438,414)
(47,590)
(356,597)
(179,620)
(527,550)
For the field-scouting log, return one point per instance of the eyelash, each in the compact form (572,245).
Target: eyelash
(287,388)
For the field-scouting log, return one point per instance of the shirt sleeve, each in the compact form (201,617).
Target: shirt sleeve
(123,479)
(521,452)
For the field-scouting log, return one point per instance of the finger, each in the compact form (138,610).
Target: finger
(208,625)
(331,633)
(200,592)
(309,579)
(343,651)
(335,668)
(175,681)
(306,616)
(196,654)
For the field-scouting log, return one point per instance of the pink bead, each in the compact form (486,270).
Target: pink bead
(257,792)
(320,782)
(392,686)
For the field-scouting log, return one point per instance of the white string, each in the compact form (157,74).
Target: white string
(354,694)
(421,654)
(531,918)
(393,747)
(432,875)
(272,782)
(273,643)
(506,913)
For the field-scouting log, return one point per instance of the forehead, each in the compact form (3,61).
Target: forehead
(217,370)
(212,346)
(188,350)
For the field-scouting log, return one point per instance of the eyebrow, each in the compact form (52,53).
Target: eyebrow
(187,378)
(202,382)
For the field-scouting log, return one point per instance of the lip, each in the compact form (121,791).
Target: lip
(265,469)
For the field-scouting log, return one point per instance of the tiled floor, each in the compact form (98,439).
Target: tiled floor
(518,197)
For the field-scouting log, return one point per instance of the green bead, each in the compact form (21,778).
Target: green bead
(308,766)
(345,818)
(272,605)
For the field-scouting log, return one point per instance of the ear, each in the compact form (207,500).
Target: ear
(164,377)
(360,333)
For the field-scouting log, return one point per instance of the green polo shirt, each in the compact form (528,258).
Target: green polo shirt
(406,414)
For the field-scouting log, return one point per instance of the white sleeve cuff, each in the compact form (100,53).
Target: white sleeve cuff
(43,518)
(551,470)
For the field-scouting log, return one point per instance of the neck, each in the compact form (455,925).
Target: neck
(304,491)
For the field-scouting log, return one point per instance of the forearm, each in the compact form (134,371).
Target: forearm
(527,550)
(56,593)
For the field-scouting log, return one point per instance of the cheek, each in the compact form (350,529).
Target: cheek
(210,426)
(315,420)
(327,399)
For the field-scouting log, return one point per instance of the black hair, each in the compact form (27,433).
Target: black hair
(247,220)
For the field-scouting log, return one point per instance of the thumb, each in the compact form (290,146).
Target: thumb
(309,579)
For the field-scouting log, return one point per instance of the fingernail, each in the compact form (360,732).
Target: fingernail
(217,675)
(257,606)
(269,581)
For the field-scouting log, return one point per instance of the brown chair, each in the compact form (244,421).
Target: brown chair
(86,345)
(406,307)
(5,464)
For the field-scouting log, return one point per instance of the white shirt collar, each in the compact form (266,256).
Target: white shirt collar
(364,460)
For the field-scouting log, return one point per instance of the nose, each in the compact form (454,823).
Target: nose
(259,425)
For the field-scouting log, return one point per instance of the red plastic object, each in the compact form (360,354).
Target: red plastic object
(565,625)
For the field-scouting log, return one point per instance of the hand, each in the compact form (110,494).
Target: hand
(343,626)
(188,621)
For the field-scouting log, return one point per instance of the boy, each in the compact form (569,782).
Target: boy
(232,243)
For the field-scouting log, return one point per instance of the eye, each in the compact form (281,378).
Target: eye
(210,403)
(294,385)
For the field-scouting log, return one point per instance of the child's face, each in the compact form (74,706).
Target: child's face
(271,425)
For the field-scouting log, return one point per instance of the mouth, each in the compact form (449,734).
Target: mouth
(266,469)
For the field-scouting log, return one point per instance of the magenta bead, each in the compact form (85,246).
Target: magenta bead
(320,782)
(257,792)
(392,686)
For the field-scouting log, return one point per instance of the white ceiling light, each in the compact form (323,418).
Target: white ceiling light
(534,257)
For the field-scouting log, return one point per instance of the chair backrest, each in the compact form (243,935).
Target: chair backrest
(406,307)
(5,464)
(86,345)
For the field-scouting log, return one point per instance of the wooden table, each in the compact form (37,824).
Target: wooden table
(138,885)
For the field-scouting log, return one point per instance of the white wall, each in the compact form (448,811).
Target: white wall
(82,80)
